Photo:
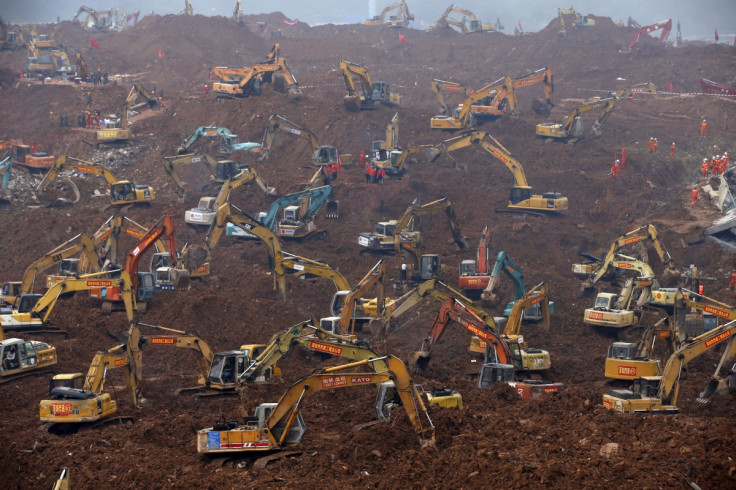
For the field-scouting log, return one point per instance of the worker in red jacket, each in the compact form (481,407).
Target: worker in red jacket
(362,159)
(694,196)
(672,149)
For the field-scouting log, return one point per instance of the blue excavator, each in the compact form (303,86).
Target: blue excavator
(5,167)
(229,142)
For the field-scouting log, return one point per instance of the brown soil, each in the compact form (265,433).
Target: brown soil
(497,440)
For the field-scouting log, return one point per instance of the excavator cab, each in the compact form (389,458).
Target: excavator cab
(381,91)
(325,155)
(430,267)
(493,372)
(227,169)
(227,367)
(468,268)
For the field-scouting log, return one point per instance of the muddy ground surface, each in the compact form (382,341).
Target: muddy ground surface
(497,440)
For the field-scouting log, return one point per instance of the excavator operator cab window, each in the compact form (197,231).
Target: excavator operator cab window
(621,350)
(75,382)
(491,373)
(519,194)
(69,267)
(604,302)
(467,268)
(222,369)
(123,192)
(291,214)
(27,302)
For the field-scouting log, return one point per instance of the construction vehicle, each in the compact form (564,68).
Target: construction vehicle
(398,238)
(613,310)
(223,172)
(633,360)
(658,394)
(401,18)
(34,309)
(122,192)
(469,24)
(21,358)
(77,400)
(520,197)
(9,39)
(395,165)
(665,25)
(475,274)
(229,142)
(525,359)
(298,218)
(579,20)
(321,154)
(498,355)
(382,149)
(306,268)
(507,266)
(315,199)
(570,129)
(226,214)
(169,276)
(492,101)
(246,81)
(597,268)
(278,425)
(121,132)
(188,9)
(206,211)
(439,85)
(351,311)
(92,19)
(21,155)
(372,92)
(6,165)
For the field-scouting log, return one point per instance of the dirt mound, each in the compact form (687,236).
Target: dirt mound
(497,440)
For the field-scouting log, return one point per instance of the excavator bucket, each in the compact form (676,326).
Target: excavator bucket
(352,103)
(181,279)
(490,298)
(418,361)
(333,208)
(433,154)
(295,93)
(718,386)
(541,107)
(195,257)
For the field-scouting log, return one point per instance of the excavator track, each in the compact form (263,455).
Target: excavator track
(64,429)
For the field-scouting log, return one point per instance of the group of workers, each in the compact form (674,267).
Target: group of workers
(373,173)
(715,166)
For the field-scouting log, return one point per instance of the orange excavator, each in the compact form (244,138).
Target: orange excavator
(22,155)
(499,361)
(144,283)
(665,25)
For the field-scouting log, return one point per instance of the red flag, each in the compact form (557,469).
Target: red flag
(402,39)
(160,54)
(670,86)
(93,43)
(520,29)
(734,40)
(716,35)
(623,156)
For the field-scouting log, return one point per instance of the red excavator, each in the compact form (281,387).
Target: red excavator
(665,25)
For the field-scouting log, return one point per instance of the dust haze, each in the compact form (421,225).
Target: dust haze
(699,20)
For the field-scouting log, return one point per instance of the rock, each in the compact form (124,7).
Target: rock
(608,450)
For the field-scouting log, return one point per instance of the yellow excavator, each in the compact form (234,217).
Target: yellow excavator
(122,192)
(59,255)
(578,21)
(77,400)
(246,81)
(121,131)
(34,309)
(400,18)
(570,130)
(439,85)
(493,100)
(521,197)
(372,92)
(398,237)
(468,24)
(20,358)
(278,425)
(221,171)
(321,154)
(658,394)
(596,268)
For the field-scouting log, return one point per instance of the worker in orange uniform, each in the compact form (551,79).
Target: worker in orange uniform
(694,196)
(380,174)
(370,171)
(703,128)
(672,149)
(732,284)
(656,145)
(362,159)
(725,160)
(704,167)
(206,89)
(651,145)
(614,168)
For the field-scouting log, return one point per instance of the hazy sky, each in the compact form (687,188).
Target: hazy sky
(699,18)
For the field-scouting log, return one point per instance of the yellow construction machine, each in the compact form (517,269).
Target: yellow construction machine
(658,394)
(372,92)
(570,130)
(520,197)
(20,358)
(122,192)
(246,81)
(321,154)
(78,400)
(395,15)
(468,24)
(278,425)
(578,20)
(120,132)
